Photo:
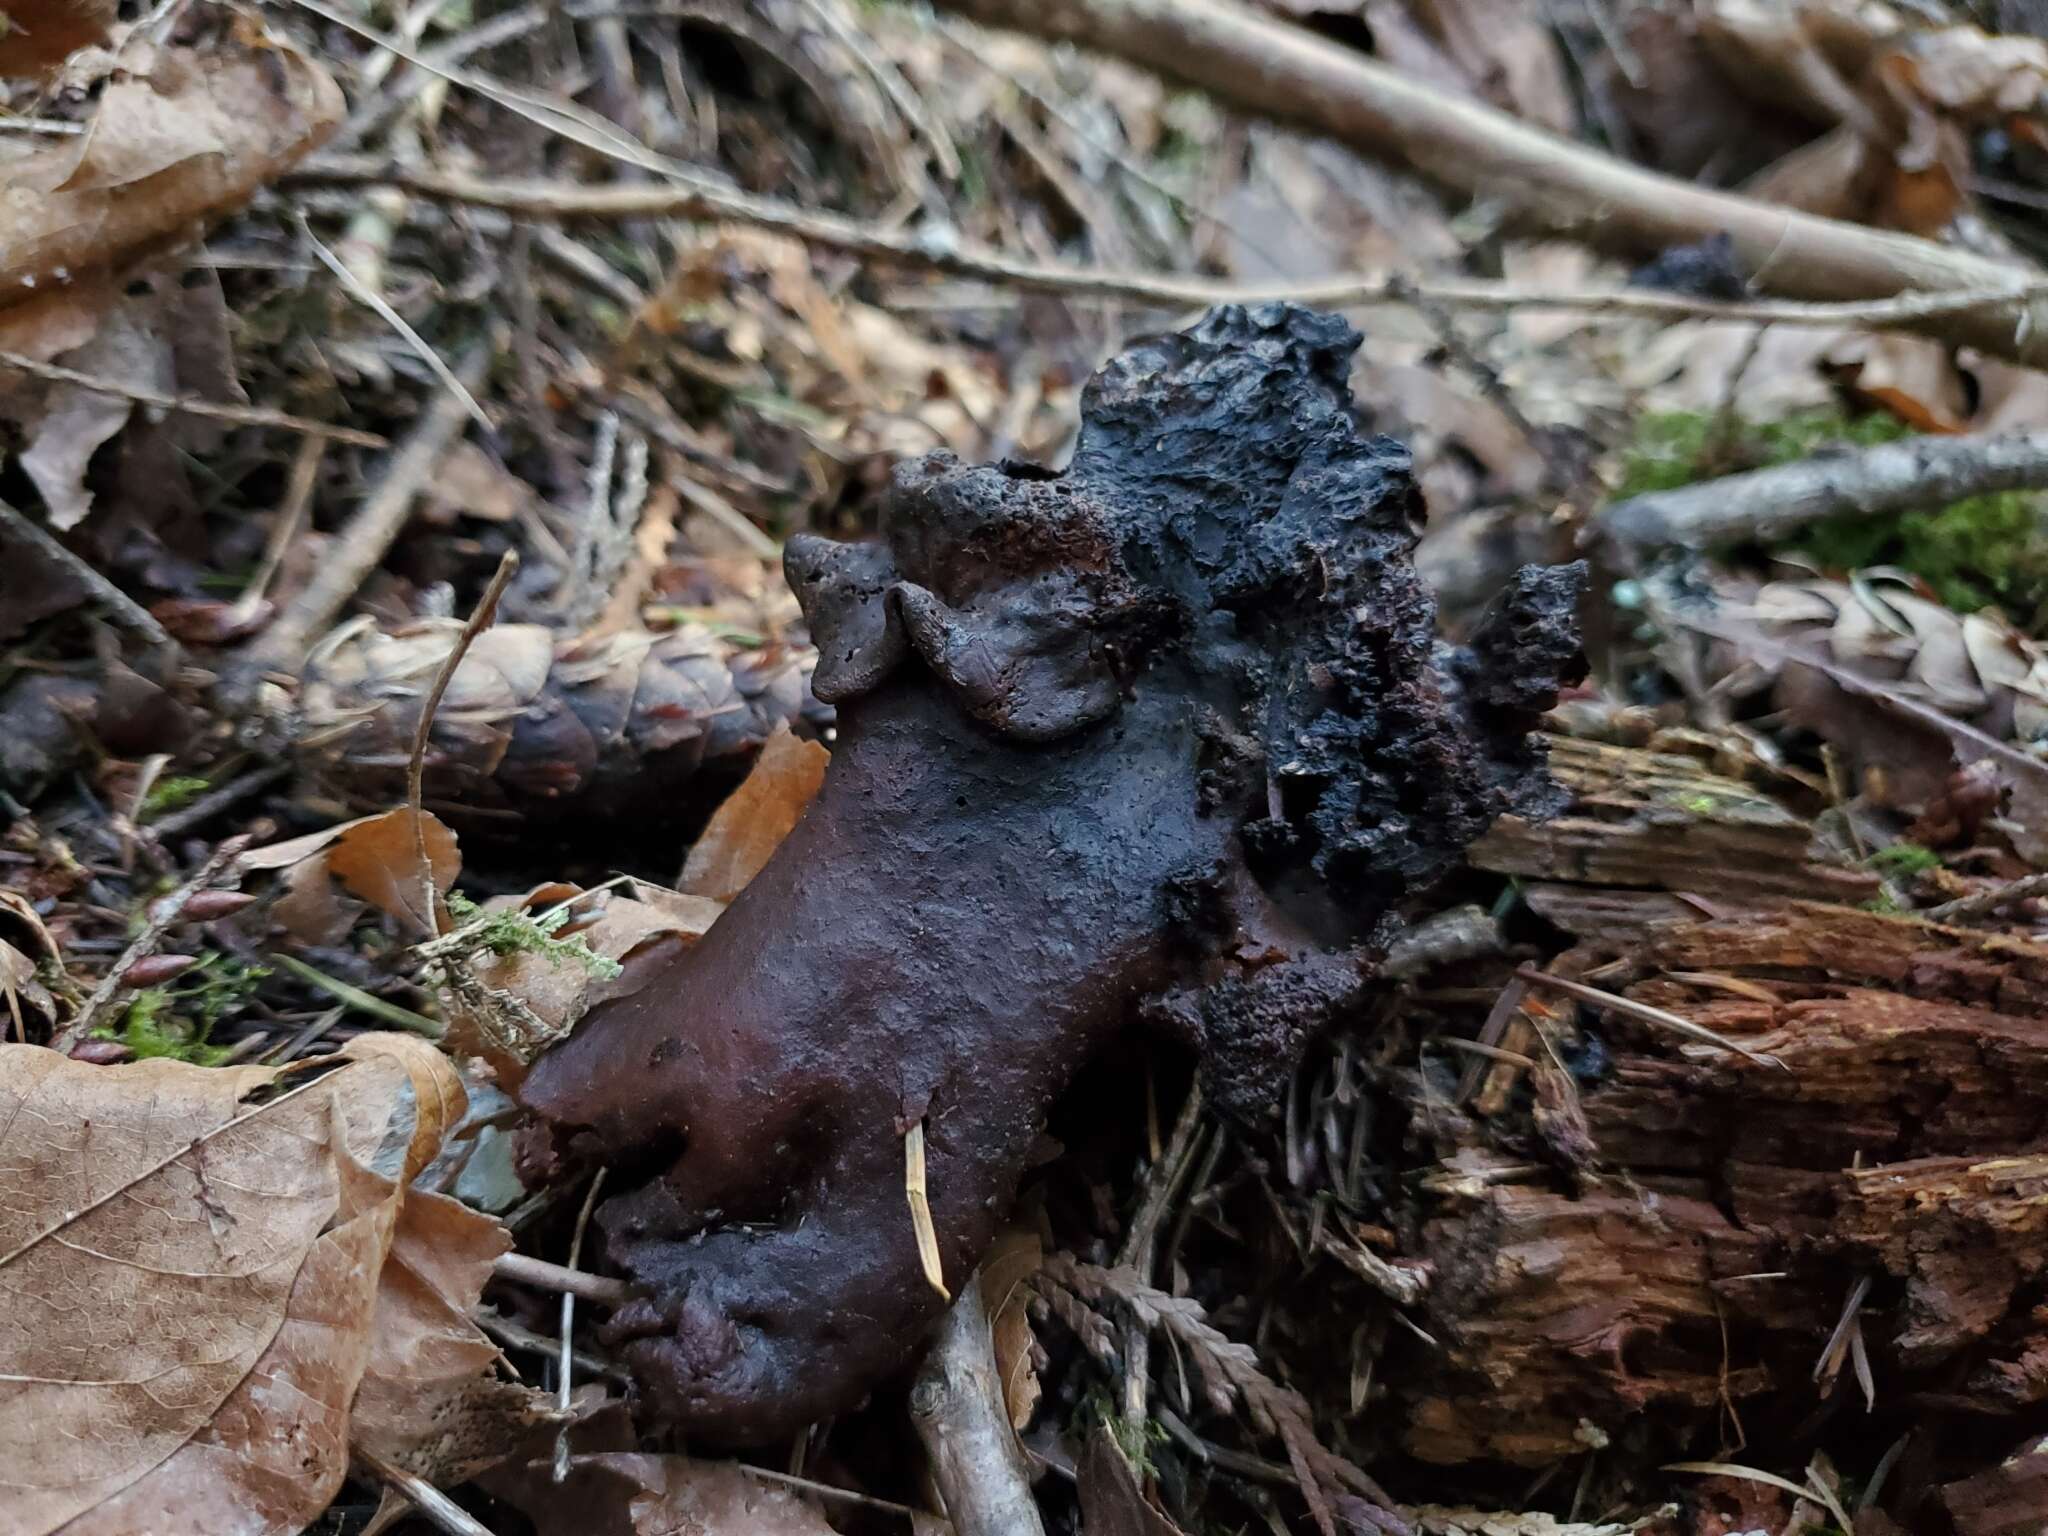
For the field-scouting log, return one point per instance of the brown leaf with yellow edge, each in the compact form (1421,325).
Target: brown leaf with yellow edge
(188,1265)
(756,817)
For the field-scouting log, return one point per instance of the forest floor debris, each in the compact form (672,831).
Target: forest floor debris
(1683,1175)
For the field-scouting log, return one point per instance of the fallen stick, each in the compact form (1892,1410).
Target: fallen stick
(2001,295)
(1890,477)
(1543,182)
(18,527)
(957,1405)
(187,405)
(361,546)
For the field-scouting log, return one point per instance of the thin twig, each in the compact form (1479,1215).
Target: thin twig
(214,802)
(519,1336)
(1982,902)
(378,305)
(360,546)
(558,200)
(431,1502)
(1649,1015)
(556,1277)
(841,1495)
(566,1364)
(189,405)
(957,1404)
(416,764)
(284,527)
(159,918)
(124,608)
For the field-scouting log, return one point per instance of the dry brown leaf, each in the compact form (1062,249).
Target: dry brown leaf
(756,817)
(182,136)
(432,1400)
(38,35)
(161,334)
(1910,376)
(374,858)
(1005,1295)
(188,1259)
(624,1493)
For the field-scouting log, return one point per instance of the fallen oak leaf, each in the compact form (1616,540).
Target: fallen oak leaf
(188,1259)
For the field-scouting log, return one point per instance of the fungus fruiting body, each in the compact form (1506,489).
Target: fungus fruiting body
(1165,739)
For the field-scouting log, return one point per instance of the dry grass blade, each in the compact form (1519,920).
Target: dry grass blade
(1647,1014)
(188,405)
(920,1209)
(1813,1491)
(378,305)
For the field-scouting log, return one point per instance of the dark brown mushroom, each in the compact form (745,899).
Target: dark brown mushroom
(1165,736)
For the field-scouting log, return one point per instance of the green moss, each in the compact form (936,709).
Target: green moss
(1902,861)
(171,793)
(1974,553)
(177,1021)
(1139,1439)
(524,933)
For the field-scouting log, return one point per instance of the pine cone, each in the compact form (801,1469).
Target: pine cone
(1973,667)
(1919,700)
(549,727)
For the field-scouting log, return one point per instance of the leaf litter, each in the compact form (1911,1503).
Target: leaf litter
(642,719)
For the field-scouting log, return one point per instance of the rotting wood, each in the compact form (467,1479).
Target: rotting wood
(1700,1266)
(1645,829)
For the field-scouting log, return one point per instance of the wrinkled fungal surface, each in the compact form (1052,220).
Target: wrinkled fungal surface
(1163,740)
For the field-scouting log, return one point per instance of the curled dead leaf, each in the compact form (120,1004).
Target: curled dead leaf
(375,859)
(1005,1295)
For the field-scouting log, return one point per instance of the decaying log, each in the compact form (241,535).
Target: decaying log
(1645,830)
(1694,1270)
(1168,731)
